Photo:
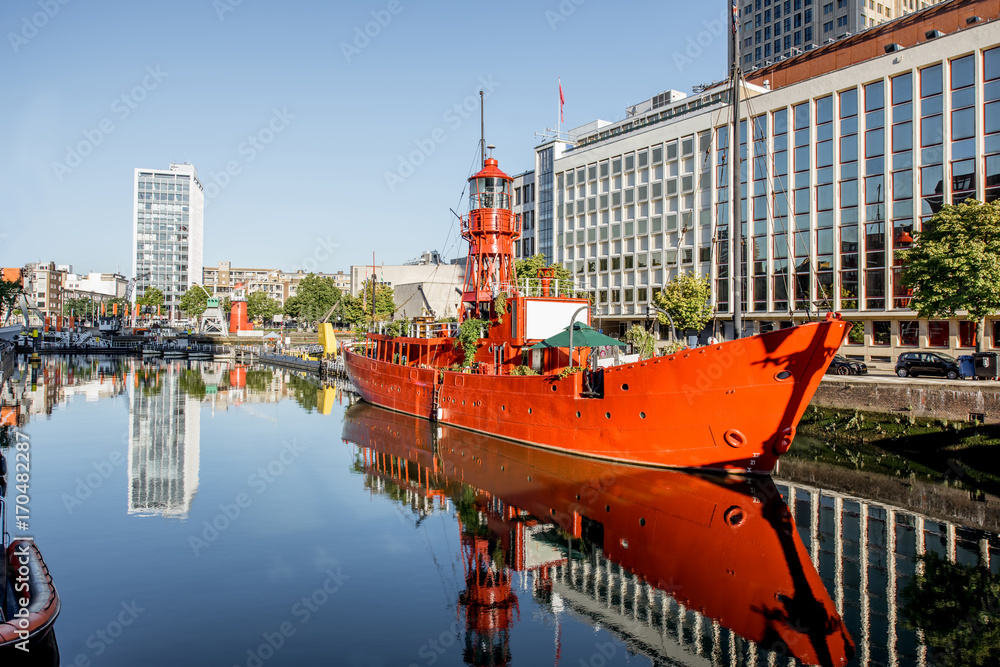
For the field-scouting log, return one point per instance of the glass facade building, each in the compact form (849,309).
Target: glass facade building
(167,232)
(838,172)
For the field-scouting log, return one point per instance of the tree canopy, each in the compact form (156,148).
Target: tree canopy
(150,300)
(10,291)
(261,307)
(528,267)
(954,264)
(688,300)
(314,298)
(194,301)
(358,309)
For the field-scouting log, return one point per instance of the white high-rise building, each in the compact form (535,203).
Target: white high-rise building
(168,208)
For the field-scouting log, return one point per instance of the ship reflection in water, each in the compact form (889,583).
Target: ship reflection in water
(682,566)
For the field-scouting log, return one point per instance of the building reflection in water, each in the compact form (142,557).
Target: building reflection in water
(164,443)
(683,568)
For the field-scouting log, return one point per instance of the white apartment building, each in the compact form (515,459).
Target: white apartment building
(95,285)
(772,30)
(168,208)
(843,167)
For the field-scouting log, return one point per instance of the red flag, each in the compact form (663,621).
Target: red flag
(562,101)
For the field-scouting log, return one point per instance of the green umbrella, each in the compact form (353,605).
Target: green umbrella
(583,336)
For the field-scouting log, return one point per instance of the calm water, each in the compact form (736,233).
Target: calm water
(203,514)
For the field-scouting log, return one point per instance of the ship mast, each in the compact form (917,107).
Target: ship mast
(735,165)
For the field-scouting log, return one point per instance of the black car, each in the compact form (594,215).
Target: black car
(841,365)
(912,364)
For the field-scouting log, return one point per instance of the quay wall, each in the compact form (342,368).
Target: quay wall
(954,402)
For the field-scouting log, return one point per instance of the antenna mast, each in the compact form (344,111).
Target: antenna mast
(736,237)
(482,129)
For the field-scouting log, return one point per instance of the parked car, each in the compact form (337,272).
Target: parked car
(841,365)
(912,364)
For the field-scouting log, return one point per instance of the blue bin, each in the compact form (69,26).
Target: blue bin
(966,366)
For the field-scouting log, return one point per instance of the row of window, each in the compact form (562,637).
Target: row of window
(907,333)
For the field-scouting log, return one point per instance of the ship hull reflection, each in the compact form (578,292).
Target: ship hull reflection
(724,546)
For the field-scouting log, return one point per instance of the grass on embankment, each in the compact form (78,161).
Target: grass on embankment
(955,453)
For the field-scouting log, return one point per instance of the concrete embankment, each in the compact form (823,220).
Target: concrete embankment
(933,399)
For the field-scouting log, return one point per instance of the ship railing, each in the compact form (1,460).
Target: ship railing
(420,329)
(556,287)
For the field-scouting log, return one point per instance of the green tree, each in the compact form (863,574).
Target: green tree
(358,309)
(688,300)
(194,301)
(10,292)
(316,295)
(643,341)
(956,607)
(80,307)
(293,307)
(150,300)
(528,267)
(261,307)
(954,264)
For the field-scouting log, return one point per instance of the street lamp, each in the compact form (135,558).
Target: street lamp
(572,321)
(650,308)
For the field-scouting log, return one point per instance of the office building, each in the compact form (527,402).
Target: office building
(524,206)
(773,30)
(167,232)
(854,146)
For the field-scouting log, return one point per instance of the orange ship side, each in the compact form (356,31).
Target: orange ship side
(732,406)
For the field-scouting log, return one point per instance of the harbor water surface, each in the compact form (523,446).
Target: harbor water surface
(211,514)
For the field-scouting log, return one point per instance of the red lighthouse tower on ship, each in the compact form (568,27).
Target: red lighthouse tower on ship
(491,229)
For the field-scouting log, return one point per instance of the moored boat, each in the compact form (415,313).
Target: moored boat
(731,406)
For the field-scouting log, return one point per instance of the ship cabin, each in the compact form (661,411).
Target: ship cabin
(532,313)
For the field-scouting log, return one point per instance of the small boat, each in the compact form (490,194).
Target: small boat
(29,603)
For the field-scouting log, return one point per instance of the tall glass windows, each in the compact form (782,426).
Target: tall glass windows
(849,199)
(931,146)
(779,120)
(963,129)
(758,241)
(824,201)
(991,124)
(723,181)
(801,203)
(902,181)
(875,195)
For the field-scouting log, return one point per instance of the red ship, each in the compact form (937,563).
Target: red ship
(725,546)
(729,406)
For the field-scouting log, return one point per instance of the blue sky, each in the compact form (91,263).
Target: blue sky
(297,115)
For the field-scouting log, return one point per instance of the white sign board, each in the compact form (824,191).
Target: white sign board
(547,318)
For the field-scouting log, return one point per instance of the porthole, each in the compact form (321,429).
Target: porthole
(608,415)
(642,521)
(642,415)
(552,512)
(503,407)
(578,496)
(529,411)
(578,413)
(625,387)
(529,478)
(607,508)
(553,387)
(782,375)
(502,468)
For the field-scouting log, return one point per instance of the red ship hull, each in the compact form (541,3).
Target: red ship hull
(732,407)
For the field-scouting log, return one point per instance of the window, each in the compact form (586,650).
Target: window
(909,333)
(881,332)
(966,333)
(938,333)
